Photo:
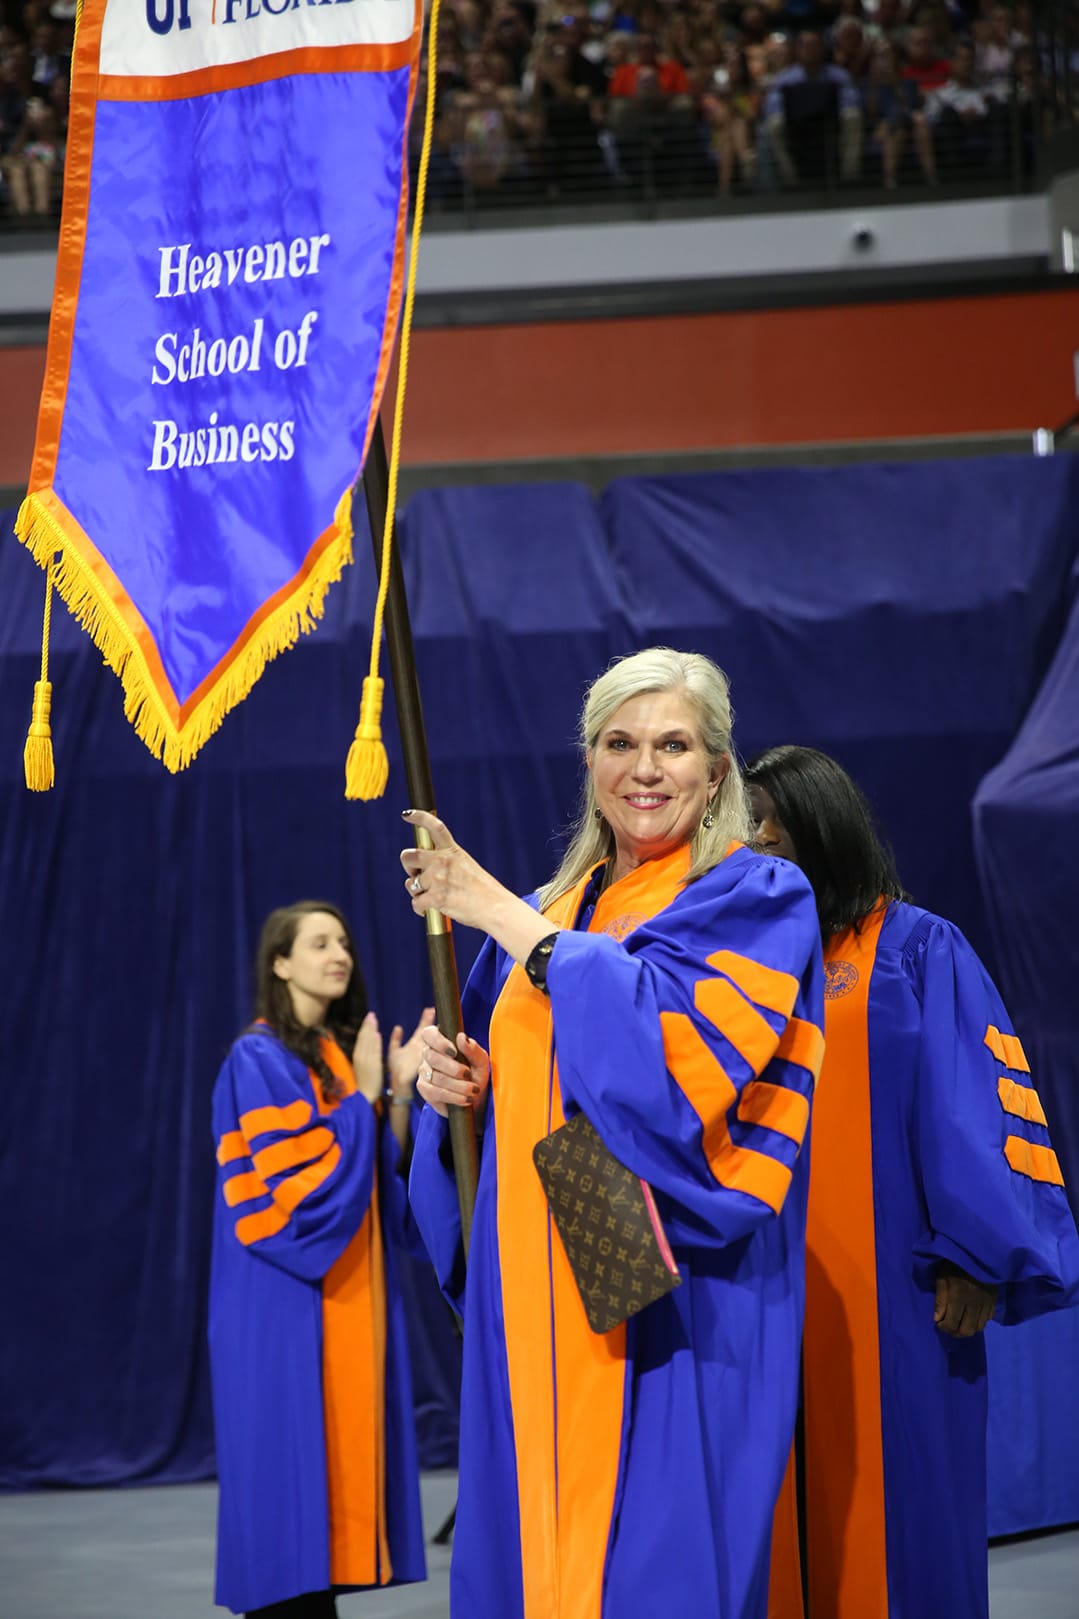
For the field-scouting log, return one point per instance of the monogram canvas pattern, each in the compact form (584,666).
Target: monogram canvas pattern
(601,1215)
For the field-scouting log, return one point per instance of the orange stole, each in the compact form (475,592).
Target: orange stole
(845,1543)
(567,1383)
(353,1385)
(785,1578)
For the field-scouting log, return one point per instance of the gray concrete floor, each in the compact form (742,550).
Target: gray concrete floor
(148,1554)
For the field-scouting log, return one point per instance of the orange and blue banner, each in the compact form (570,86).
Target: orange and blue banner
(229,281)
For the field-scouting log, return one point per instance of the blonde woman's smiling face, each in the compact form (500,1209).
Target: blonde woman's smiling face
(652,776)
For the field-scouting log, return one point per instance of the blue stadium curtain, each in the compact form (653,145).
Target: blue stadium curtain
(904,618)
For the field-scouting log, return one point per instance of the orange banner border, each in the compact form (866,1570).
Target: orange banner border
(175,731)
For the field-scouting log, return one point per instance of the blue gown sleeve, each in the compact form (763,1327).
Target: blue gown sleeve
(432,1186)
(432,1192)
(398,1222)
(694,1047)
(297,1185)
(992,1184)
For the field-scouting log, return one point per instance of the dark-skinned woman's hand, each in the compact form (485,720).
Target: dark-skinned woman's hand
(962,1306)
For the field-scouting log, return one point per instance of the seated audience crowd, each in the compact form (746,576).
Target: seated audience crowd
(35,70)
(553,99)
(562,98)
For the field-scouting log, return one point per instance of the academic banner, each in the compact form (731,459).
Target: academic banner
(229,279)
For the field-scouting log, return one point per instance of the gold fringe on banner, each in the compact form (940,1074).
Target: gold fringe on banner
(88,601)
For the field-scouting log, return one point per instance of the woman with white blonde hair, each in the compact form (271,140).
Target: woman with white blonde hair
(656,670)
(667,986)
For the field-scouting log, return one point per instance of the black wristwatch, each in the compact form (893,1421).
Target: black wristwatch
(536,965)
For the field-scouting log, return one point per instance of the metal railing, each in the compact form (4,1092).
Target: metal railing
(491,157)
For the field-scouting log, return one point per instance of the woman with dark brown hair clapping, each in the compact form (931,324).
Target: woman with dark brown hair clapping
(312,1395)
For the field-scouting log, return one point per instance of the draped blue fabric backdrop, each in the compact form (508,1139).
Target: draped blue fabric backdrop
(913,620)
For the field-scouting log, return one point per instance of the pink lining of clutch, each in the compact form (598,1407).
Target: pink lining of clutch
(657,1228)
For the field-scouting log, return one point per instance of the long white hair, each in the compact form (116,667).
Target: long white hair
(707,689)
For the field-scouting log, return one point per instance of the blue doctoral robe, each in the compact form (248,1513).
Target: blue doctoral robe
(685,1022)
(930,1145)
(266,1322)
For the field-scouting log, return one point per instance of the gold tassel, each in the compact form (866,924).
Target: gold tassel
(37,754)
(367,769)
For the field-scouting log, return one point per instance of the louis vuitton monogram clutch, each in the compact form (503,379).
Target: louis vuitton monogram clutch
(606,1217)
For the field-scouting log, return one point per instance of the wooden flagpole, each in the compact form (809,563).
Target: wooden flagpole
(421,795)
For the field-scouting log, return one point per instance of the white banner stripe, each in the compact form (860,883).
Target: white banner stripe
(161,38)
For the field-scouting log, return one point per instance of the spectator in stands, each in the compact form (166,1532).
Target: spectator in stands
(811,108)
(593,47)
(566,116)
(33,165)
(653,117)
(707,63)
(1024,88)
(892,113)
(15,90)
(451,54)
(650,16)
(486,153)
(637,123)
(850,8)
(586,68)
(890,20)
(959,115)
(509,32)
(471,23)
(676,40)
(623,18)
(925,67)
(1023,22)
(753,27)
(937,15)
(995,45)
(45,55)
(850,48)
(62,14)
(58,98)
(667,77)
(17,55)
(778,57)
(617,52)
(443,175)
(706,17)
(731,111)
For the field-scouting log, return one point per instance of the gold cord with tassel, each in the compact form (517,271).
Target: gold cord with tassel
(367,768)
(38,764)
(37,755)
